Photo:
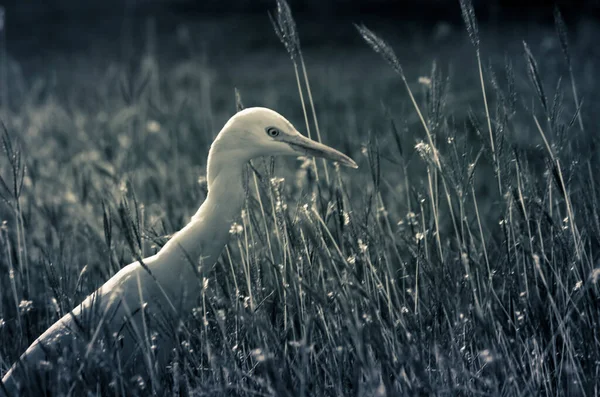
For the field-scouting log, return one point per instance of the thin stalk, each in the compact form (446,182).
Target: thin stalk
(489,124)
(314,113)
(556,161)
(264,216)
(305,115)
(483,245)
(12,276)
(434,209)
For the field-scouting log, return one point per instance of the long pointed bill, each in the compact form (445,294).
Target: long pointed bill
(303,145)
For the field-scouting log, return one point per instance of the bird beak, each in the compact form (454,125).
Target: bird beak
(303,145)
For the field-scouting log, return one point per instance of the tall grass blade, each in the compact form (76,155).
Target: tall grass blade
(468,15)
(380,47)
(561,30)
(535,78)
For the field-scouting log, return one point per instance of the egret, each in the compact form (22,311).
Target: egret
(165,287)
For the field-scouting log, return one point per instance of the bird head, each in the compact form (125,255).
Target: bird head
(256,132)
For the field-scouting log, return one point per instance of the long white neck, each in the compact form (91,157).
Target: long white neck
(203,239)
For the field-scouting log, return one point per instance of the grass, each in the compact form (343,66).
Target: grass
(459,259)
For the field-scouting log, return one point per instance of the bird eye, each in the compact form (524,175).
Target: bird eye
(273,132)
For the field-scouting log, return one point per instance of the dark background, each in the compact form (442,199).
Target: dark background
(40,11)
(39,27)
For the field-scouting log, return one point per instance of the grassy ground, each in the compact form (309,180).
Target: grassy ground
(449,263)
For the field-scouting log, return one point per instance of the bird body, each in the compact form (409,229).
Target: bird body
(163,288)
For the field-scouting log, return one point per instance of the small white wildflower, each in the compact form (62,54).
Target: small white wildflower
(362,246)
(45,365)
(123,187)
(280,205)
(351,259)
(186,346)
(153,126)
(276,182)
(346,218)
(520,316)
(411,218)
(70,197)
(25,306)
(197,312)
(154,339)
(424,80)
(124,141)
(464,258)
(382,211)
(419,236)
(486,356)
(380,391)
(140,381)
(578,285)
(236,229)
(54,305)
(259,355)
(424,150)
(595,275)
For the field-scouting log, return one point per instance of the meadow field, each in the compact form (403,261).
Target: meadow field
(459,259)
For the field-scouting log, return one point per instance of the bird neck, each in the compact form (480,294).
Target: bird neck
(207,233)
(184,259)
(225,197)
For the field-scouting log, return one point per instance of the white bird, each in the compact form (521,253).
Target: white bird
(163,288)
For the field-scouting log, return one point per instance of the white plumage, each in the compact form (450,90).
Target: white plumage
(166,286)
